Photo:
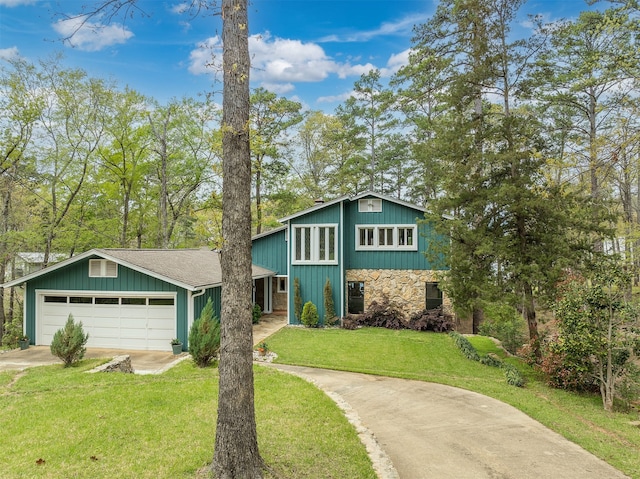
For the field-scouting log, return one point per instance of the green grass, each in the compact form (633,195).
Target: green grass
(129,426)
(434,358)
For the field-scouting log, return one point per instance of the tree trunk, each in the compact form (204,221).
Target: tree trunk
(236,447)
(529,312)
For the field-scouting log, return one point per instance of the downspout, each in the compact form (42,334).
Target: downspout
(287,239)
(342,268)
(191,310)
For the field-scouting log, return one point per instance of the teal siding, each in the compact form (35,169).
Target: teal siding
(200,301)
(313,276)
(392,214)
(270,251)
(75,277)
(312,280)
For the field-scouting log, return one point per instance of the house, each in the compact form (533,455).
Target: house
(125,298)
(28,262)
(368,246)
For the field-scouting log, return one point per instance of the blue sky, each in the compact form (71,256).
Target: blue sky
(311,51)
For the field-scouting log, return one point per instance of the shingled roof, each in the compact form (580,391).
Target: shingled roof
(192,269)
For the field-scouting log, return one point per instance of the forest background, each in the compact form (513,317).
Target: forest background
(530,147)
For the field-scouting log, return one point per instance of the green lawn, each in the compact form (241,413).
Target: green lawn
(129,426)
(433,357)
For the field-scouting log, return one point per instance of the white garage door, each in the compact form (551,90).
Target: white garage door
(146,322)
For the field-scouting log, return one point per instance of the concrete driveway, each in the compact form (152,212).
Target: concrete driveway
(143,362)
(441,432)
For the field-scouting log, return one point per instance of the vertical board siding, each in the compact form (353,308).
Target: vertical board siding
(313,276)
(200,301)
(392,214)
(270,251)
(75,277)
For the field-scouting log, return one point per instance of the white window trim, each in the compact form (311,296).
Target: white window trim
(395,246)
(105,271)
(370,205)
(315,244)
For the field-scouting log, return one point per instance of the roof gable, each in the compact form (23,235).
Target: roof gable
(192,269)
(366,194)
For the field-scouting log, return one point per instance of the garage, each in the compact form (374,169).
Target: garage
(124,321)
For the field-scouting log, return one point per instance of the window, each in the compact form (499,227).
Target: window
(282,285)
(370,205)
(315,244)
(434,296)
(55,299)
(81,300)
(402,237)
(107,300)
(134,301)
(160,301)
(355,297)
(102,268)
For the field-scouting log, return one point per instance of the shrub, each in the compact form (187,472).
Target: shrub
(297,299)
(12,333)
(491,360)
(431,320)
(504,323)
(204,337)
(465,346)
(513,376)
(68,343)
(310,315)
(383,314)
(561,373)
(329,307)
(256,313)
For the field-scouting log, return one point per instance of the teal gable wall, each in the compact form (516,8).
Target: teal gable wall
(392,214)
(270,251)
(312,277)
(200,301)
(75,277)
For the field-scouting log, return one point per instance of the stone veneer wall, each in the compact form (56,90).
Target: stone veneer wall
(280,302)
(405,288)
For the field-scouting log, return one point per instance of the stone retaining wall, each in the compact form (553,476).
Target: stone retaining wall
(118,364)
(405,288)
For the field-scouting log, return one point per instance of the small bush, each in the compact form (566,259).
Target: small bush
(68,343)
(383,314)
(504,323)
(491,360)
(310,315)
(465,346)
(329,307)
(12,333)
(204,337)
(513,376)
(256,313)
(431,320)
(561,374)
(297,299)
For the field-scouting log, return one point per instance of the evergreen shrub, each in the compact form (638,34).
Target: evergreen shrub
(256,313)
(204,337)
(310,315)
(68,343)
(297,299)
(329,307)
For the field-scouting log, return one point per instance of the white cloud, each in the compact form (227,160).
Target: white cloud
(278,88)
(11,53)
(207,57)
(335,98)
(402,27)
(15,3)
(89,36)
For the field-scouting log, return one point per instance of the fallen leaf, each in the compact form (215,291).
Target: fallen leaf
(40,462)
